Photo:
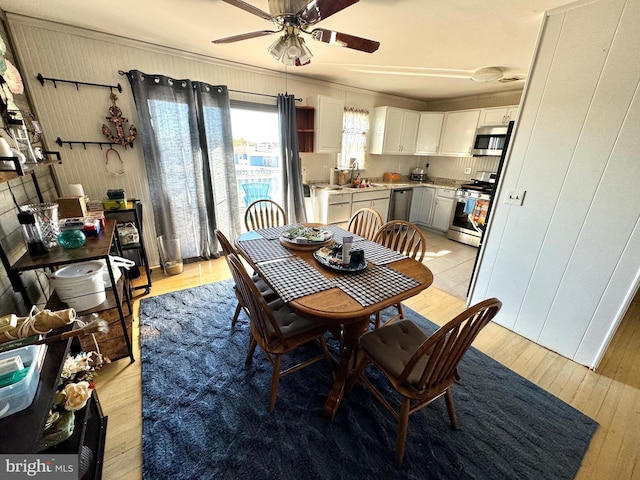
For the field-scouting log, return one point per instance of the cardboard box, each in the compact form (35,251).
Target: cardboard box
(70,207)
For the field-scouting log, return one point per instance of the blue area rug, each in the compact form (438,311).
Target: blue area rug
(205,414)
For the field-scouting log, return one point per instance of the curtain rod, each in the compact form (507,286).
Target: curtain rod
(122,72)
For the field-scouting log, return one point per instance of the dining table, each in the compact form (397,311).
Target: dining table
(343,300)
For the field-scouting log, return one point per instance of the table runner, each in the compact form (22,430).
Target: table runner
(378,254)
(272,233)
(261,249)
(293,278)
(374,284)
(339,233)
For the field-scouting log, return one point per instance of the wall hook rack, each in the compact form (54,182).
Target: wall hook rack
(42,79)
(60,142)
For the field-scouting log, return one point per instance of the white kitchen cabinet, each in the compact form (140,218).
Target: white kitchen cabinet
(442,209)
(458,132)
(497,115)
(328,113)
(331,208)
(393,131)
(431,207)
(422,202)
(376,199)
(429,130)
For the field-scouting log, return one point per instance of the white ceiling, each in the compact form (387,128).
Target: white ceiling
(428,47)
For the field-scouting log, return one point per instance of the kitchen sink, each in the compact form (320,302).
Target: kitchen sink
(392,185)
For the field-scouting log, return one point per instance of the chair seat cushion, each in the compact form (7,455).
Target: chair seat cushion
(290,323)
(264,289)
(392,346)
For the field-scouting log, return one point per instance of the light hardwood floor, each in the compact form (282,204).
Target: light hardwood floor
(611,395)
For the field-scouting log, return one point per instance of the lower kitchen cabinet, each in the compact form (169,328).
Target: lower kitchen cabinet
(422,206)
(331,208)
(442,209)
(378,200)
(431,207)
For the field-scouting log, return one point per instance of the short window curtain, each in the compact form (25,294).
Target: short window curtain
(355,129)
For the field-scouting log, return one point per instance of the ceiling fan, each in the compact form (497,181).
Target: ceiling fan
(293,17)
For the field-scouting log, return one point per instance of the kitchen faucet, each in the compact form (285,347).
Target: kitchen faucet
(354,165)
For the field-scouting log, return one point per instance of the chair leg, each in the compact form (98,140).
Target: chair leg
(403,426)
(236,315)
(275,379)
(378,317)
(252,349)
(451,409)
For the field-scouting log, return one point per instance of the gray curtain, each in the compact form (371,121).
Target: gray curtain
(185,127)
(291,169)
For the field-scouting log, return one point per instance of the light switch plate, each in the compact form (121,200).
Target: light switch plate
(515,197)
(467,171)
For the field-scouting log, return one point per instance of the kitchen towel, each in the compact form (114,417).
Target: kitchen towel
(469,205)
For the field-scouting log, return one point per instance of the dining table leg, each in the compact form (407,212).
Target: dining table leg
(351,334)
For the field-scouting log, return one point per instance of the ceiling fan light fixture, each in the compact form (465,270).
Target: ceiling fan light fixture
(277,48)
(291,50)
(487,74)
(305,54)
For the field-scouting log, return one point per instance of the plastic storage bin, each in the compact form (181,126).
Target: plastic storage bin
(18,396)
(80,285)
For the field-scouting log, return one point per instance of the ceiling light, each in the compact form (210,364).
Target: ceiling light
(487,74)
(291,50)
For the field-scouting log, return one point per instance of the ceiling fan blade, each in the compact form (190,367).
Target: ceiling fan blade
(249,8)
(244,36)
(320,9)
(344,40)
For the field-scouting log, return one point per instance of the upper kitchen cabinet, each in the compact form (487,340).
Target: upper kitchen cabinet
(393,131)
(459,132)
(328,124)
(305,128)
(497,115)
(429,130)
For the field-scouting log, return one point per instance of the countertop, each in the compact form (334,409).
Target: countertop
(436,183)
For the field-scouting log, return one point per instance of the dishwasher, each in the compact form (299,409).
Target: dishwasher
(400,204)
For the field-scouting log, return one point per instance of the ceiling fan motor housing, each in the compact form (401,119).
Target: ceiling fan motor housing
(279,8)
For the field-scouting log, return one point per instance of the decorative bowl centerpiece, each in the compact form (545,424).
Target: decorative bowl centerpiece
(300,237)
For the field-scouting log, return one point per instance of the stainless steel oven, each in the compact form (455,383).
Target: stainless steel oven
(469,213)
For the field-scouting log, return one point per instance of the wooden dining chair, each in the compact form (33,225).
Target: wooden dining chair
(276,329)
(264,289)
(403,237)
(365,222)
(420,367)
(264,213)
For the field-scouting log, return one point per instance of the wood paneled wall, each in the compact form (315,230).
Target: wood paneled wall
(566,262)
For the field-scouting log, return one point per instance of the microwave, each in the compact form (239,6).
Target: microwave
(489,141)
